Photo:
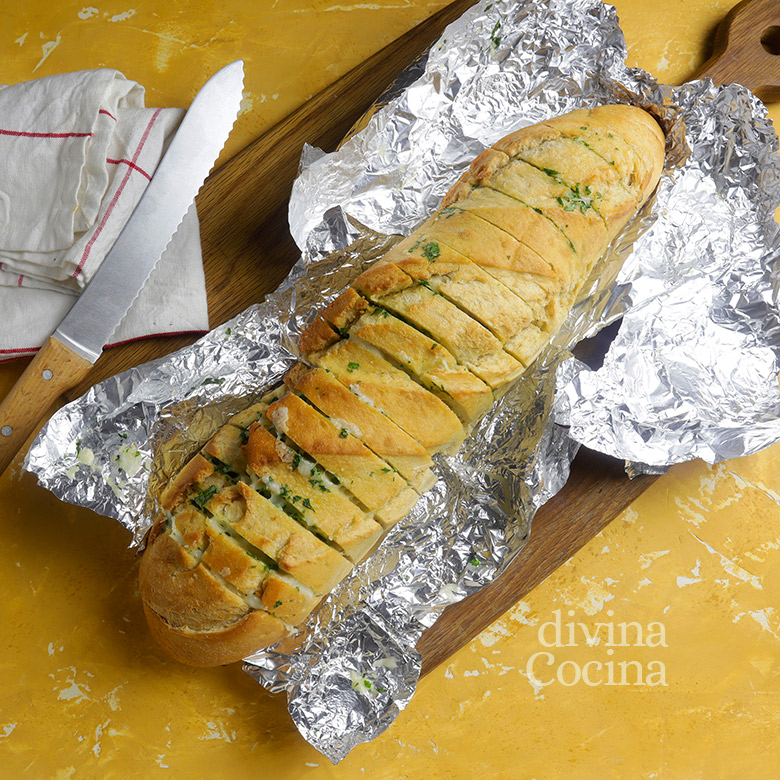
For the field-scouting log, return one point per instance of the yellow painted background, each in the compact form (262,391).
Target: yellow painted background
(84,693)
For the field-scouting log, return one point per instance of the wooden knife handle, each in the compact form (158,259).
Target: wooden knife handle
(747,49)
(55,369)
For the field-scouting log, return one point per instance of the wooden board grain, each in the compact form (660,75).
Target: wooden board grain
(746,49)
(248,251)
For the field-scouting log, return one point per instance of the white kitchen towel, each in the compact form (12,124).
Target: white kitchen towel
(76,153)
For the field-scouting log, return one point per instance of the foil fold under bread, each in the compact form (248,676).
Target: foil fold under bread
(692,370)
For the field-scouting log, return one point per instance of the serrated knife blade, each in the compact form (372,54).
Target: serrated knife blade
(200,138)
(76,344)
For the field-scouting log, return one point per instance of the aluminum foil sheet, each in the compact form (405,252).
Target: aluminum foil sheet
(690,290)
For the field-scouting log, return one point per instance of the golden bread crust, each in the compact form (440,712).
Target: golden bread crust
(292,491)
(377,382)
(184,592)
(367,477)
(217,645)
(427,361)
(276,535)
(464,283)
(316,337)
(528,227)
(471,343)
(377,431)
(486,244)
(328,510)
(194,472)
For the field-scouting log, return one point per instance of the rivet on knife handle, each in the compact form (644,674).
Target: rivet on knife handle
(55,369)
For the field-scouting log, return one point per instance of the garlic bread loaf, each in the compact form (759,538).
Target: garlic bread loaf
(296,490)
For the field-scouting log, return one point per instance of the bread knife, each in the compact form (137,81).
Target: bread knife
(69,353)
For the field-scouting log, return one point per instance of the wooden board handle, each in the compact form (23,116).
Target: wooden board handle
(747,49)
(55,369)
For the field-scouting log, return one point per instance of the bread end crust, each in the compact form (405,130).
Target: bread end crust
(216,648)
(317,337)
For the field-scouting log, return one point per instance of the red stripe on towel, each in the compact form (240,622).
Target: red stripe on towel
(21,134)
(109,210)
(131,164)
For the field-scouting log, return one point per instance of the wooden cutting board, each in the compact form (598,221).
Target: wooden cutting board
(247,252)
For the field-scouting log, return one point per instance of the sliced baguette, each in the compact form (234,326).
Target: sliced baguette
(289,494)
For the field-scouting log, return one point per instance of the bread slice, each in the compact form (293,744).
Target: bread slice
(472,344)
(367,477)
(377,431)
(527,225)
(522,324)
(588,167)
(219,643)
(227,558)
(622,135)
(563,158)
(486,244)
(389,390)
(226,446)
(578,215)
(197,472)
(407,348)
(323,507)
(186,594)
(463,282)
(278,539)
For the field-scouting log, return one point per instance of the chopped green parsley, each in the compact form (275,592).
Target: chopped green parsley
(294,513)
(430,251)
(579,199)
(495,38)
(203,496)
(223,468)
(316,480)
